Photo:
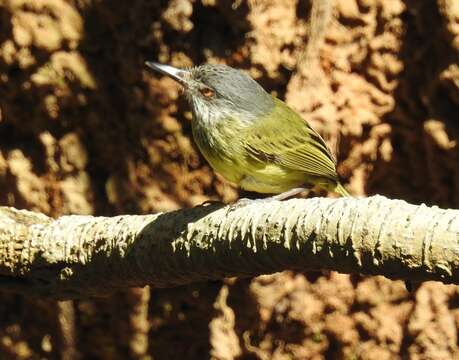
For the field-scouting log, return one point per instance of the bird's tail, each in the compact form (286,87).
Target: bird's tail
(339,189)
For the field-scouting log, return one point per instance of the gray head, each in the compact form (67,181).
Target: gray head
(217,91)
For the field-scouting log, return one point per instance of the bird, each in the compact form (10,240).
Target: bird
(250,137)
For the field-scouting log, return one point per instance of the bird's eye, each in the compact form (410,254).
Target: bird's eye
(207,92)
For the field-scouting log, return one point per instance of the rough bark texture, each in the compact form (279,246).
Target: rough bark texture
(80,256)
(84,129)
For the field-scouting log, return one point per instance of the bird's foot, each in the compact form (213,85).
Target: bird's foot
(288,194)
(245,201)
(279,197)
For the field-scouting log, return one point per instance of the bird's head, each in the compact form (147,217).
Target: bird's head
(216,92)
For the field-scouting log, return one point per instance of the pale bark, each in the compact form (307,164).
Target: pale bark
(78,256)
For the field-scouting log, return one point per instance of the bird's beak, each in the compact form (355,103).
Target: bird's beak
(179,75)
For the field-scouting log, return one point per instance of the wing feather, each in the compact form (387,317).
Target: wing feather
(284,138)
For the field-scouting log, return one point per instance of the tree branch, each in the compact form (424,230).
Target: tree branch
(80,256)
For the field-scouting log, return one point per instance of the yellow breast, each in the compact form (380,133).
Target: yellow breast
(222,148)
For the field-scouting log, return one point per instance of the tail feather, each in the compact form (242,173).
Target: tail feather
(339,189)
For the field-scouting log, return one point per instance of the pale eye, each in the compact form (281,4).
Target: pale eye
(207,92)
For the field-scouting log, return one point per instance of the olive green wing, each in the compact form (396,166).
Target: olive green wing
(284,138)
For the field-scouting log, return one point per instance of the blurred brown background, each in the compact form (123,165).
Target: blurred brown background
(86,129)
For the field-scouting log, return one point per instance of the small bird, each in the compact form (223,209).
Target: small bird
(250,137)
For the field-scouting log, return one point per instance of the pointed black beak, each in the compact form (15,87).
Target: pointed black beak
(179,75)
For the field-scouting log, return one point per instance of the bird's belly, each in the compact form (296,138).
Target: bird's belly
(267,179)
(272,179)
(227,167)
